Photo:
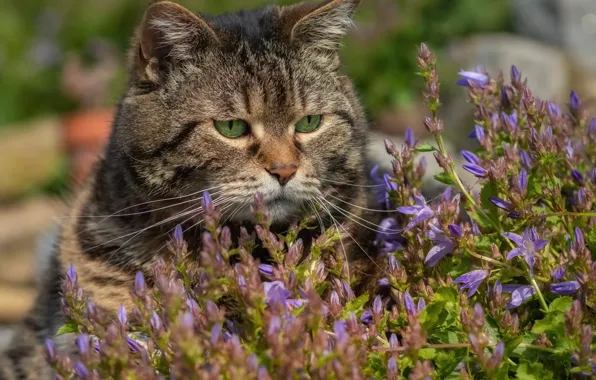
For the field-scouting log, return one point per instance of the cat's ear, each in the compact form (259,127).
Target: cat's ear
(170,32)
(320,25)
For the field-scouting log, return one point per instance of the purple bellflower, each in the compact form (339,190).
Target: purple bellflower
(527,245)
(477,78)
(443,246)
(472,280)
(565,288)
(519,294)
(421,210)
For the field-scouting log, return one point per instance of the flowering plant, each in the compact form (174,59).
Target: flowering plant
(491,285)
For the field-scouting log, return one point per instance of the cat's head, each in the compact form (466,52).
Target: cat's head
(239,103)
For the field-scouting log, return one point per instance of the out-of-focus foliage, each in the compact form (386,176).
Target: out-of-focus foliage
(36,37)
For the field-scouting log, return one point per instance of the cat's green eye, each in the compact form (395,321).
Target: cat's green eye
(308,123)
(232,128)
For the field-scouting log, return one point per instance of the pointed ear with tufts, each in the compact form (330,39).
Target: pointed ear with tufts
(320,26)
(169,33)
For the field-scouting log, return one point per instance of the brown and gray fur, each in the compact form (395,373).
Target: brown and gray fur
(270,67)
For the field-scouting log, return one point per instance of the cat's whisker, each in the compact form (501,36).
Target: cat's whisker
(117,213)
(350,235)
(194,210)
(359,207)
(348,184)
(348,215)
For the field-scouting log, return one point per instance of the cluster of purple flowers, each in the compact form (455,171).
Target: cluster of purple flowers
(492,285)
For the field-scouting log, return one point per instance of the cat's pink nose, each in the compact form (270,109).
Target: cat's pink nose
(283,173)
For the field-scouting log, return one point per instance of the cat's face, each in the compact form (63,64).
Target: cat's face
(243,103)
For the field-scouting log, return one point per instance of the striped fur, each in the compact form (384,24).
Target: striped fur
(270,67)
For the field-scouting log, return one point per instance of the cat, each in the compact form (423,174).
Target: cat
(253,101)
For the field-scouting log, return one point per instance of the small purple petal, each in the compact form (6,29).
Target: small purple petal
(522,180)
(525,159)
(467,76)
(421,305)
(266,269)
(437,252)
(579,238)
(501,203)
(559,273)
(410,210)
(455,230)
(72,274)
(515,75)
(409,138)
(476,170)
(122,316)
(519,240)
(565,288)
(140,285)
(575,102)
(366,317)
(514,253)
(470,157)
(520,295)
(577,176)
(81,370)
(410,306)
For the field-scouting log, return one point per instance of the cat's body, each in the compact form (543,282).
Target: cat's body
(273,71)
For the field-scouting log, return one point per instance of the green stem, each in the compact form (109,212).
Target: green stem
(466,345)
(539,293)
(565,213)
(504,265)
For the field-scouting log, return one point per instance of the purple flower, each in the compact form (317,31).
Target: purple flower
(72,274)
(387,238)
(421,210)
(421,305)
(577,176)
(559,273)
(383,282)
(455,230)
(510,120)
(569,149)
(519,294)
(565,288)
(525,159)
(527,245)
(140,285)
(155,322)
(472,76)
(377,305)
(409,138)
(133,345)
(393,342)
(443,246)
(122,316)
(178,235)
(339,328)
(266,269)
(554,110)
(579,238)
(366,317)
(83,344)
(478,171)
(410,305)
(515,75)
(522,180)
(501,203)
(207,201)
(50,350)
(276,292)
(382,195)
(498,353)
(470,157)
(575,102)
(472,280)
(392,367)
(81,370)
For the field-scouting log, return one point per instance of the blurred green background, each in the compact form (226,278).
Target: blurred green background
(37,36)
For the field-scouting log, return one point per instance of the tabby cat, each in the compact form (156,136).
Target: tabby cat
(234,104)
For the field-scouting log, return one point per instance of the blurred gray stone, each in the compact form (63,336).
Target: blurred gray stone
(578,28)
(545,67)
(538,19)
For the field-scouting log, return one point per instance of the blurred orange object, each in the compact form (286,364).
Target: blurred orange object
(85,134)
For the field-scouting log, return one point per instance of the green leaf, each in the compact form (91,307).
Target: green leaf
(425,148)
(432,314)
(562,304)
(552,323)
(444,178)
(428,353)
(68,328)
(446,293)
(447,361)
(490,190)
(533,371)
(355,305)
(512,344)
(591,240)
